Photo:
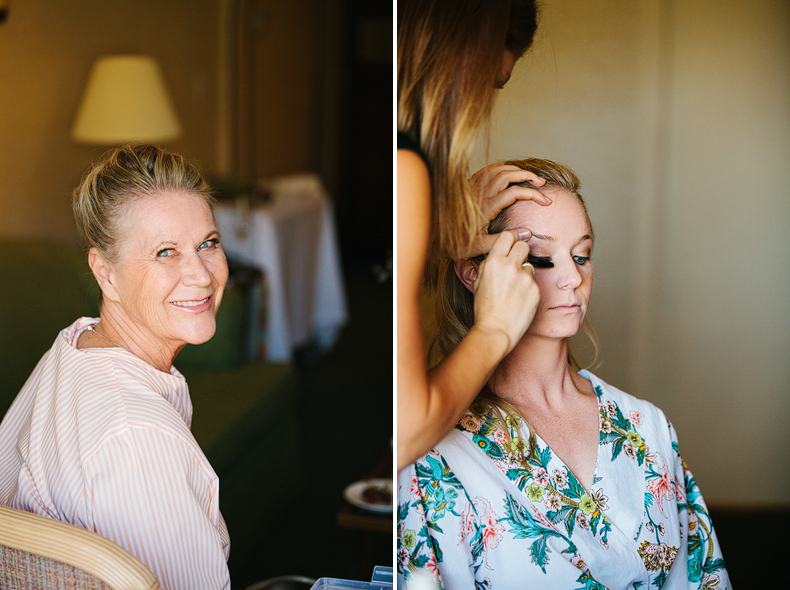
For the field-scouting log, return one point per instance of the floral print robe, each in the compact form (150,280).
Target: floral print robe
(492,507)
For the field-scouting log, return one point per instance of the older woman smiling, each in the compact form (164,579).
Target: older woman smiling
(99,436)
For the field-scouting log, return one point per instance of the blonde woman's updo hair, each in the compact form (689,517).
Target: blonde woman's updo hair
(454,302)
(124,174)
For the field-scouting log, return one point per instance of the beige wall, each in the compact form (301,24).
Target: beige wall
(46,51)
(283,64)
(676,115)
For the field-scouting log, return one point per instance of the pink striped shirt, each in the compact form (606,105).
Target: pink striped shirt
(100,439)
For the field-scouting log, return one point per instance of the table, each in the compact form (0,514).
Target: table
(293,240)
(369,523)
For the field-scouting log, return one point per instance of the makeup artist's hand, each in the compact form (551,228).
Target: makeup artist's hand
(491,186)
(506,294)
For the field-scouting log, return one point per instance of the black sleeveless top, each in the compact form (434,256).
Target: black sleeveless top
(406,143)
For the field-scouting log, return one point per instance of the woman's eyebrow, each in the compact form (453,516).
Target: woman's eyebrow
(164,244)
(553,239)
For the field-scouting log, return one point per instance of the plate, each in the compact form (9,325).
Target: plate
(354,494)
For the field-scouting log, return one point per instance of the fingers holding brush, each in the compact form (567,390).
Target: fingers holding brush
(505,292)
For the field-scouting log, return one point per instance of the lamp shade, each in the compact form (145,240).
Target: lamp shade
(125,100)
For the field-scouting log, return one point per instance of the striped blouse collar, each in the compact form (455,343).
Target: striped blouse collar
(172,387)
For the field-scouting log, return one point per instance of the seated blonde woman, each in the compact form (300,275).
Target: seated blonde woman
(553,478)
(99,436)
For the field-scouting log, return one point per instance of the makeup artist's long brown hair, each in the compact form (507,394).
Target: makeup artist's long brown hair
(449,56)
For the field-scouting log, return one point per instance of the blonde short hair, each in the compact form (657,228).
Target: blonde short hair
(121,176)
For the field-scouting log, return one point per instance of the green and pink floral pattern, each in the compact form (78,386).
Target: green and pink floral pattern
(492,506)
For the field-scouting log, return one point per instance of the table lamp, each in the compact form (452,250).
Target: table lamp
(125,101)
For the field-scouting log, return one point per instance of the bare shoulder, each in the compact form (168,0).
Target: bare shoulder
(414,180)
(413,209)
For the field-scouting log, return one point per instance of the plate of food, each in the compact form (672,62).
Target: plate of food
(370,494)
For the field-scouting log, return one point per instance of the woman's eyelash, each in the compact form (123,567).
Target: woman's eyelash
(212,241)
(545,261)
(540,261)
(165,252)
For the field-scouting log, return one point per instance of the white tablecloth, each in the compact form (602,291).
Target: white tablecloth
(293,240)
